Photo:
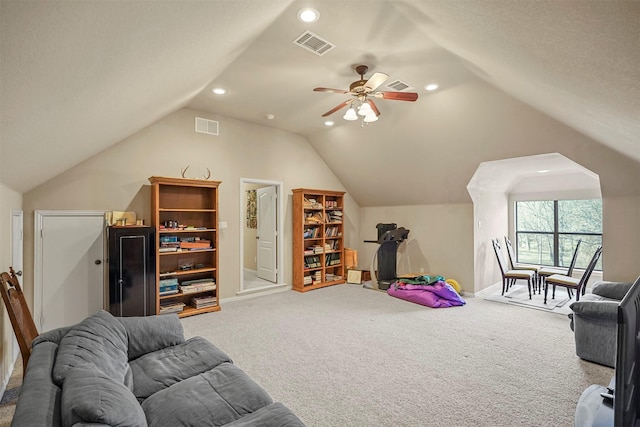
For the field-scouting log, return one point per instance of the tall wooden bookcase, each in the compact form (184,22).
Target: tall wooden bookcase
(318,239)
(185,215)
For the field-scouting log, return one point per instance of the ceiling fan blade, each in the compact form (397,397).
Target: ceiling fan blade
(327,89)
(374,107)
(376,80)
(337,107)
(397,96)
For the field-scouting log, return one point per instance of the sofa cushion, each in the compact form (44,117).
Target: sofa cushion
(216,397)
(161,369)
(91,396)
(99,341)
(147,334)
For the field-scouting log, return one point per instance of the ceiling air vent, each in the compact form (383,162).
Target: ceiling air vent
(210,127)
(398,85)
(314,43)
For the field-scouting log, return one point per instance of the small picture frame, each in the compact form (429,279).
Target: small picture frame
(354,276)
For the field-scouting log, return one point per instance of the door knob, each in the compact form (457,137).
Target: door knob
(98,262)
(19,273)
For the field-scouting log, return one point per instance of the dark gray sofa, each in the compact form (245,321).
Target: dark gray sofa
(594,322)
(138,371)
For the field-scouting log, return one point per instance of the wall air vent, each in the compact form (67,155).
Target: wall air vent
(210,127)
(398,85)
(314,43)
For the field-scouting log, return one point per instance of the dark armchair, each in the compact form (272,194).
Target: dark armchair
(594,322)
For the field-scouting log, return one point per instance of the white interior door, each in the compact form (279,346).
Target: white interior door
(69,267)
(17,251)
(267,233)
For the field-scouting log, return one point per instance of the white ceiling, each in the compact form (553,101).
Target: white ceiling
(77,77)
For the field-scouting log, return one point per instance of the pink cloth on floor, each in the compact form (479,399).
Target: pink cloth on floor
(440,294)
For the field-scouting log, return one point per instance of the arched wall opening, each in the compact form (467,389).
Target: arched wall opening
(496,185)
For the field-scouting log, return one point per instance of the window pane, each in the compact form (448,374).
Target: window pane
(587,248)
(534,216)
(535,248)
(580,216)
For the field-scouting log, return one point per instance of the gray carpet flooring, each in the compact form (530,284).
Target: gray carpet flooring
(348,356)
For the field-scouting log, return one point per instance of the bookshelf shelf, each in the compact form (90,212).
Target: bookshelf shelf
(318,239)
(187,211)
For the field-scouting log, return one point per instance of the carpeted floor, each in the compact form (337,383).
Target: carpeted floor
(348,356)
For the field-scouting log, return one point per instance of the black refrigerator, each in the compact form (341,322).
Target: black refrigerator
(132,271)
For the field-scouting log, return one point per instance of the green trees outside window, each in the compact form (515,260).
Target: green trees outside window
(547,231)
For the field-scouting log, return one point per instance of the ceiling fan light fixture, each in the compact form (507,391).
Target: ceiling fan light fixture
(365,109)
(308,15)
(350,115)
(369,118)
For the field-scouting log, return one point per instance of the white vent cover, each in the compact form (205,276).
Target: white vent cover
(399,85)
(314,43)
(209,127)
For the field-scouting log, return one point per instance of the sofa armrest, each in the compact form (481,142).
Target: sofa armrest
(613,290)
(148,334)
(602,310)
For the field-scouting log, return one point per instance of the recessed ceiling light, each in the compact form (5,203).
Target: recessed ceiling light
(328,123)
(270,116)
(219,90)
(308,15)
(543,171)
(431,86)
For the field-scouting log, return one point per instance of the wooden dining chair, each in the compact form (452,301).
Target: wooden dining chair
(19,314)
(515,265)
(571,283)
(545,272)
(509,277)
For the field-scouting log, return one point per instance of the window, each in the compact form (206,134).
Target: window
(547,231)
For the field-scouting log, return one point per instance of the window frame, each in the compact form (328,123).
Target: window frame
(555,233)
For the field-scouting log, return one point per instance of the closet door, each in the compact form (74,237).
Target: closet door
(132,271)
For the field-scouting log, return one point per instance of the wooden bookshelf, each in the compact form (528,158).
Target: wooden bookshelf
(318,239)
(185,213)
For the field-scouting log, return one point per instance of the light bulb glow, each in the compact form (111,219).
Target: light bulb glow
(308,15)
(219,91)
(431,86)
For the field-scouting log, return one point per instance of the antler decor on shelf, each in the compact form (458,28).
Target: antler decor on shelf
(184,171)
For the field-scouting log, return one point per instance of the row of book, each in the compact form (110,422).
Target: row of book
(332,231)
(197,302)
(312,261)
(310,279)
(310,203)
(311,233)
(330,204)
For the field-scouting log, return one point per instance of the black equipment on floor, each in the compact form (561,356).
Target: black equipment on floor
(389,238)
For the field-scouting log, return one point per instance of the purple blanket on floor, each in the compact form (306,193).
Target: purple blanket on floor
(439,294)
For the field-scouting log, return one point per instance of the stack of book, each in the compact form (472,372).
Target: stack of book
(171,307)
(308,280)
(205,301)
(168,287)
(317,277)
(199,285)
(169,244)
(335,217)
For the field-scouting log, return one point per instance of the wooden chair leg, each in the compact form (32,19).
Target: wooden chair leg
(529,286)
(546,289)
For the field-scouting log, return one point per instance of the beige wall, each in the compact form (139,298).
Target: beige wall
(620,237)
(9,200)
(440,239)
(116,179)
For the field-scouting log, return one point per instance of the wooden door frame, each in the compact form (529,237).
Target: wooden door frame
(39,215)
(279,225)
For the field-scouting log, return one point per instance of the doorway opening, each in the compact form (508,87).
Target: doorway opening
(261,219)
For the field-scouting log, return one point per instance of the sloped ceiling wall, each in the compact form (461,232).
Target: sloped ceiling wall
(517,78)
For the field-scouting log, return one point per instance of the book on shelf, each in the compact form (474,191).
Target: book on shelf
(171,307)
(198,285)
(197,244)
(205,301)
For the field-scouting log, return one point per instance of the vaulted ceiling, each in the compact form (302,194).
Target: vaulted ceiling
(77,77)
